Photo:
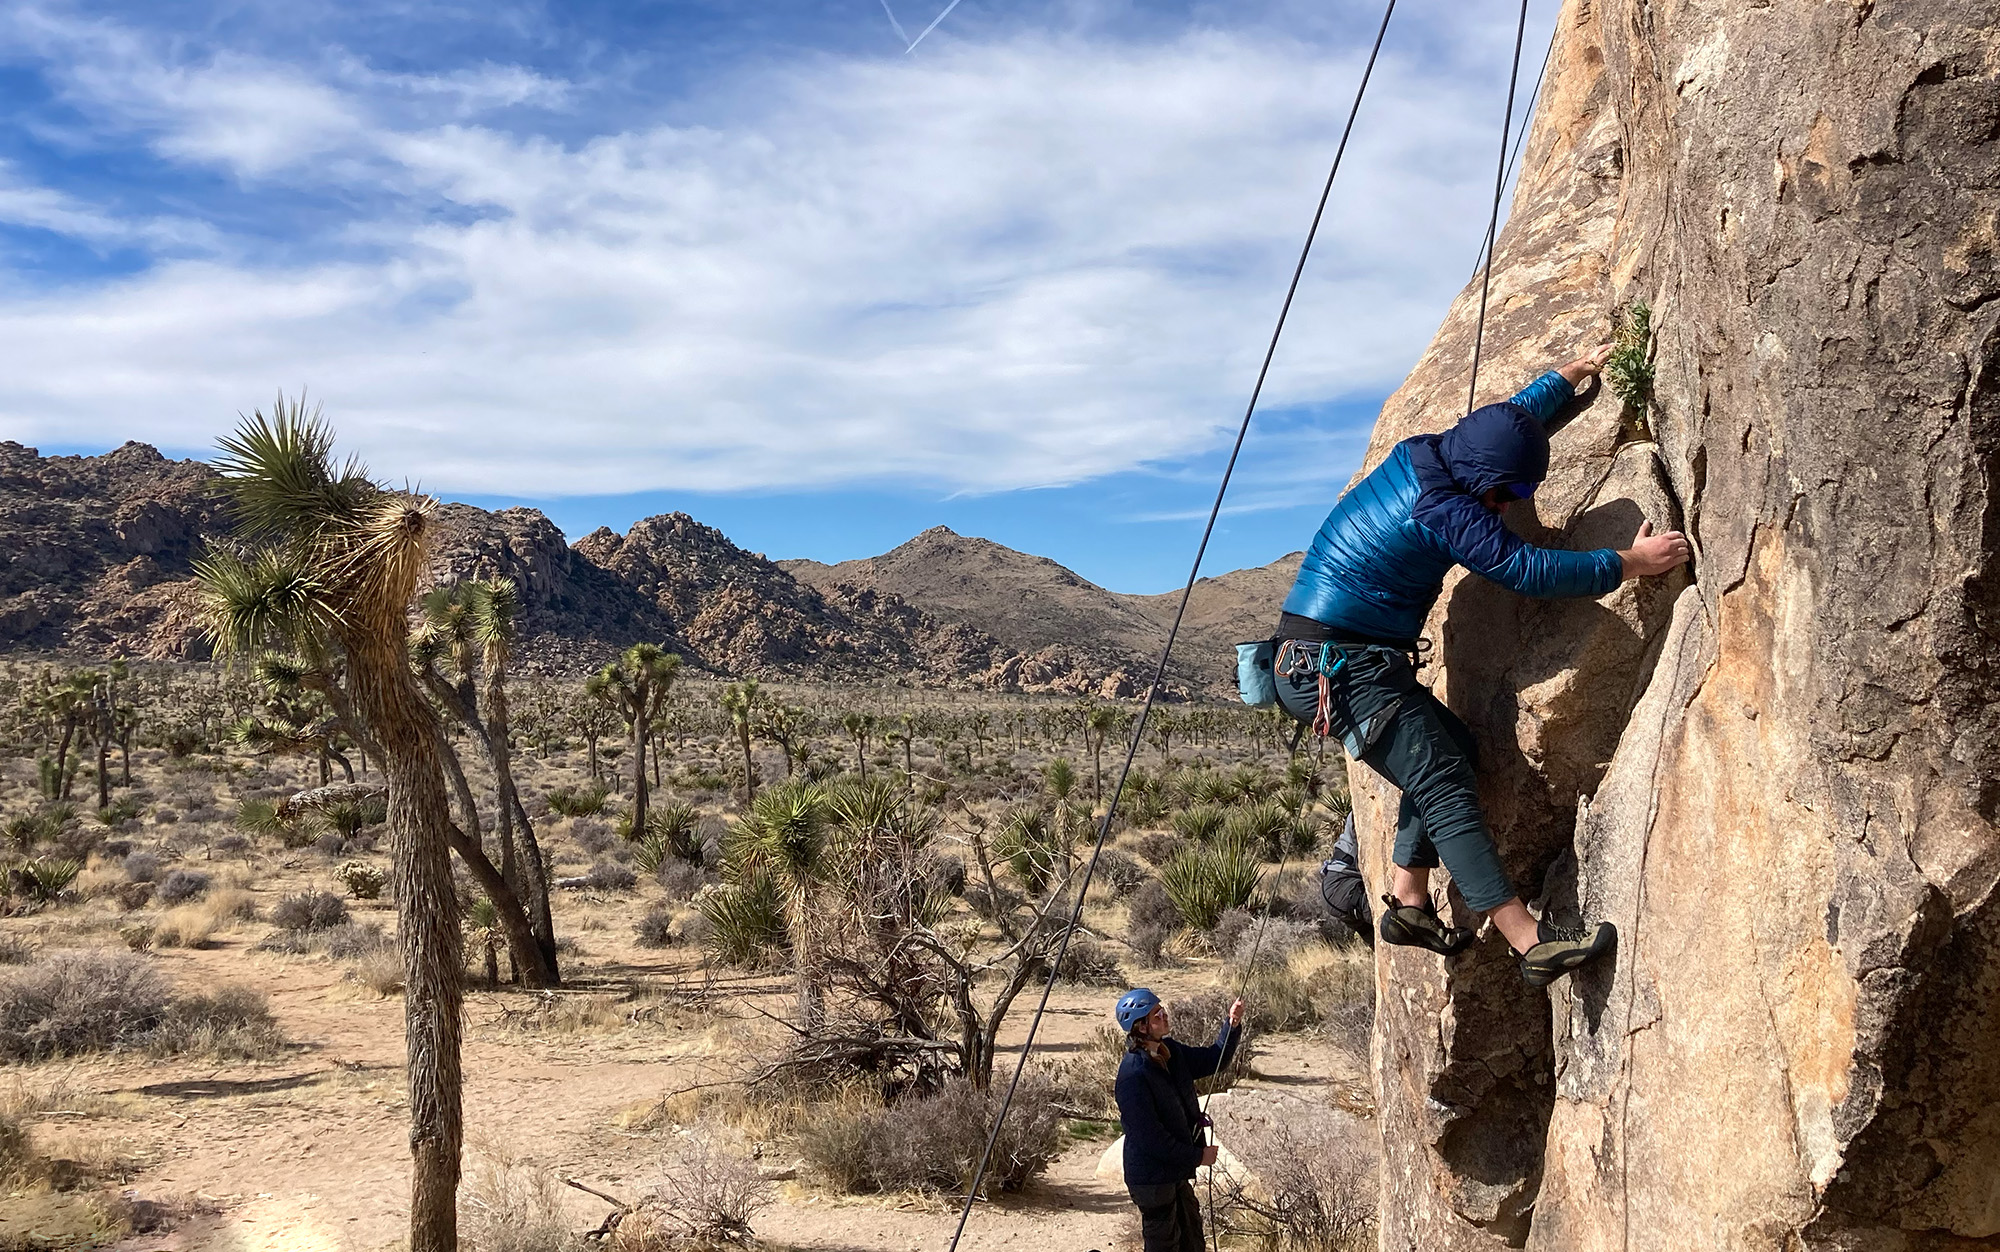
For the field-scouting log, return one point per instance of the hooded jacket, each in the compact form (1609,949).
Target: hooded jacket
(1378,563)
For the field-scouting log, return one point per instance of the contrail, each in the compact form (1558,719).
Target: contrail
(900,32)
(928,29)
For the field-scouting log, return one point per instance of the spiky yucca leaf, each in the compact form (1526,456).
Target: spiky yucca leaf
(269,597)
(279,478)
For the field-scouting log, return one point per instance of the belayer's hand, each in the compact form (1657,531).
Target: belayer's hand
(1587,365)
(1208,1155)
(1654,554)
(1236,1013)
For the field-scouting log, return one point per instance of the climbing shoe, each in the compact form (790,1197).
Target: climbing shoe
(1562,950)
(1421,927)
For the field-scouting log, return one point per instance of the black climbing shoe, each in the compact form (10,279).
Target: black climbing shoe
(1561,950)
(1417,927)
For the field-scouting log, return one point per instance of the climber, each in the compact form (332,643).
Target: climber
(1163,1120)
(1349,628)
(1341,887)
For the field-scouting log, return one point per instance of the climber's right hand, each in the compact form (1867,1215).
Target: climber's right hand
(1654,554)
(1208,1155)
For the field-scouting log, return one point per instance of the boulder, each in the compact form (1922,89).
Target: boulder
(1778,772)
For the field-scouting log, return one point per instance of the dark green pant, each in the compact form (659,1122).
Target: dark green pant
(1409,737)
(1169,1217)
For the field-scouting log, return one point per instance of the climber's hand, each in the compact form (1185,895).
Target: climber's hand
(1587,365)
(1236,1013)
(1654,554)
(1208,1155)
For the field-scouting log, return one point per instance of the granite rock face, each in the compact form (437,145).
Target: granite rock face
(1777,772)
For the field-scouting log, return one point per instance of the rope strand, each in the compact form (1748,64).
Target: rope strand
(1493,222)
(1180,612)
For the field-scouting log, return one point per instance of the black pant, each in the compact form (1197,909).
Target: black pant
(1169,1216)
(1411,739)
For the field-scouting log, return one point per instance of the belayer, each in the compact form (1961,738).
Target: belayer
(1347,648)
(1164,1125)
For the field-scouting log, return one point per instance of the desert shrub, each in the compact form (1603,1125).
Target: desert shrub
(231,904)
(932,1143)
(381,971)
(233,845)
(511,1206)
(309,910)
(363,881)
(1271,943)
(331,844)
(656,928)
(348,817)
(15,949)
(1031,846)
(1207,880)
(1153,920)
(183,885)
(351,941)
(585,801)
(17,1156)
(133,895)
(1158,847)
(1263,827)
(593,836)
(45,825)
(681,880)
(119,811)
(1316,1184)
(1090,962)
(70,1002)
(164,816)
(1120,874)
(609,876)
(986,905)
(41,878)
(229,1022)
(1200,823)
(946,876)
(707,1196)
(745,926)
(1230,928)
(678,827)
(185,926)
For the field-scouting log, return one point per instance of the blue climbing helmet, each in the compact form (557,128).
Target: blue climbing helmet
(1134,1006)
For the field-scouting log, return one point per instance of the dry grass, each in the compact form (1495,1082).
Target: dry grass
(380,972)
(185,926)
(509,1205)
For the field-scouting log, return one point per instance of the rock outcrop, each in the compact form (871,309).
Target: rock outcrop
(1778,773)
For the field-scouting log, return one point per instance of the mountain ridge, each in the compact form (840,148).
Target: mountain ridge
(99,554)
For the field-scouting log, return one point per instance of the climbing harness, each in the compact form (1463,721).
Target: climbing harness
(1194,571)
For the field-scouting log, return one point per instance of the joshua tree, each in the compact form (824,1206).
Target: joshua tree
(739,700)
(1161,728)
(636,686)
(859,726)
(473,624)
(329,563)
(785,725)
(901,736)
(784,837)
(1098,722)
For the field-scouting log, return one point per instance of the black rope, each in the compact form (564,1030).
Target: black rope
(1521,136)
(1493,223)
(1160,672)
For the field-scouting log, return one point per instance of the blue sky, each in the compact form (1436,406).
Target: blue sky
(752,261)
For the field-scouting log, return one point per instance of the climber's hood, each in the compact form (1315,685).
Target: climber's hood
(1500,445)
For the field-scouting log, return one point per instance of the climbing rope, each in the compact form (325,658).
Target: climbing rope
(1173,632)
(1493,222)
(1194,571)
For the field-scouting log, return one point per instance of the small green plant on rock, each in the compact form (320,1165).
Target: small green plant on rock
(1629,370)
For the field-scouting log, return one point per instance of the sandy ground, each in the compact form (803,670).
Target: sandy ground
(308,1153)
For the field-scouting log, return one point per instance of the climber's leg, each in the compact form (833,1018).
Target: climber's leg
(1424,752)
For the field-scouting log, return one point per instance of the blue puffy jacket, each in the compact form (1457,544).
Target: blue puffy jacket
(1378,563)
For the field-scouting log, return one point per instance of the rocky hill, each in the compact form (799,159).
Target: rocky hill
(1775,772)
(1035,606)
(96,556)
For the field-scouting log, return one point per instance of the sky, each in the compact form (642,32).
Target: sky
(762,263)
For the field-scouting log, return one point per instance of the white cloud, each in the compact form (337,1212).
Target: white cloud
(992,265)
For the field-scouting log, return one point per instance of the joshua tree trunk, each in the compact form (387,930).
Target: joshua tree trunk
(61,791)
(640,792)
(125,755)
(532,882)
(390,704)
(749,770)
(909,766)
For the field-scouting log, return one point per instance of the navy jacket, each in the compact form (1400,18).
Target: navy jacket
(1378,563)
(1161,1113)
